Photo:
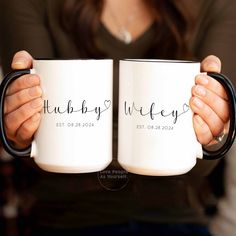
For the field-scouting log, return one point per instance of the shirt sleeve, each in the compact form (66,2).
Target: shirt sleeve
(23,27)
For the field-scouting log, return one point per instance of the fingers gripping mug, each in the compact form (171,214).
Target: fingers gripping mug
(75,133)
(156,135)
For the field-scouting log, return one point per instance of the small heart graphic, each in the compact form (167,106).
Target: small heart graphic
(107,103)
(185,107)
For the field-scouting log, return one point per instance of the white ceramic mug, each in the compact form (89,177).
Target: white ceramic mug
(155,134)
(75,133)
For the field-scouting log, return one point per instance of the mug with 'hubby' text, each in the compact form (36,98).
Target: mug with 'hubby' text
(75,132)
(155,132)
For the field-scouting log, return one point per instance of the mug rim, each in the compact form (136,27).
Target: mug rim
(70,59)
(158,60)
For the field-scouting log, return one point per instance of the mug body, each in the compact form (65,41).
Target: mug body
(156,135)
(75,133)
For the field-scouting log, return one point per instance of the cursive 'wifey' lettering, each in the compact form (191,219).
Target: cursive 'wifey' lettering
(152,111)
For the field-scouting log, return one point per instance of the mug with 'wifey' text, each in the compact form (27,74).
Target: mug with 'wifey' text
(75,133)
(155,133)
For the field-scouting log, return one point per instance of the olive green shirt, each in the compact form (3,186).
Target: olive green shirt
(64,200)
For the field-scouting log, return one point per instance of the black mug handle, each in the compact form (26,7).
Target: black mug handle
(9,78)
(229,88)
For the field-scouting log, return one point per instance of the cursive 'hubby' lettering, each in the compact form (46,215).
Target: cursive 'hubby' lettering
(83,108)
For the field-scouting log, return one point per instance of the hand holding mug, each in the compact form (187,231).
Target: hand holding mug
(23,103)
(75,131)
(158,132)
(209,103)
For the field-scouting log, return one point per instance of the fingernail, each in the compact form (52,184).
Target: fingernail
(37,103)
(200,90)
(200,79)
(212,66)
(35,91)
(197,102)
(19,62)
